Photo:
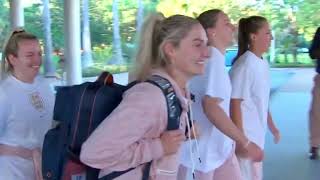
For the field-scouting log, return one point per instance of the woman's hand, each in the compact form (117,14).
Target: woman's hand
(250,150)
(276,136)
(172,140)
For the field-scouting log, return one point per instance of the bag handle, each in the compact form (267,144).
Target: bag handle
(105,78)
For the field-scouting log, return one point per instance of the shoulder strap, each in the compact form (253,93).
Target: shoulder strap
(173,104)
(173,107)
(174,111)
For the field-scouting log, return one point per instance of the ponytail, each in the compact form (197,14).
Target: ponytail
(144,55)
(243,38)
(247,26)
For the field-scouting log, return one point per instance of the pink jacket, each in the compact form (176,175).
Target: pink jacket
(130,135)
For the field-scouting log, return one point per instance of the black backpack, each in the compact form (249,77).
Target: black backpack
(79,109)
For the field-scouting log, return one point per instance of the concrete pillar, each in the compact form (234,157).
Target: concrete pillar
(72,41)
(16,14)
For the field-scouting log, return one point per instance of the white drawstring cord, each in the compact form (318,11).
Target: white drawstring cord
(190,147)
(197,144)
(194,133)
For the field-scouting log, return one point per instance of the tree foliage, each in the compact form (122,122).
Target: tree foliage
(293,21)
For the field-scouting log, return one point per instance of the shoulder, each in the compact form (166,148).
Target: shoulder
(5,85)
(144,90)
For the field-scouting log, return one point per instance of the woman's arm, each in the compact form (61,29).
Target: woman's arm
(118,143)
(272,127)
(235,113)
(219,118)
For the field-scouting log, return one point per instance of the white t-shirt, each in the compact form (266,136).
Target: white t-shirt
(26,112)
(214,146)
(250,78)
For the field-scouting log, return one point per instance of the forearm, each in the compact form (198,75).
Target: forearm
(272,127)
(116,158)
(220,119)
(235,113)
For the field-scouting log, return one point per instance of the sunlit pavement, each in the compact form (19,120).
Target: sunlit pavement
(290,103)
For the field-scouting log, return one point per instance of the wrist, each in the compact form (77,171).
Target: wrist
(246,145)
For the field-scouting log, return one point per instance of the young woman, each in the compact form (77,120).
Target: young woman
(250,81)
(212,93)
(26,108)
(135,132)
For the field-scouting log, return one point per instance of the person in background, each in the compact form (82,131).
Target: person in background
(135,133)
(26,108)
(250,80)
(314,114)
(212,92)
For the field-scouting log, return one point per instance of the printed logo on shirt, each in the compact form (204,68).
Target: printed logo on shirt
(37,101)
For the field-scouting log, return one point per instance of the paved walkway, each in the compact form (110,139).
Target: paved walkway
(289,106)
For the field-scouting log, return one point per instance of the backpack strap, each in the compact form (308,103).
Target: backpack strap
(174,109)
(173,104)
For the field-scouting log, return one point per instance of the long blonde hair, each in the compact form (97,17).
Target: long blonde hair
(11,48)
(156,31)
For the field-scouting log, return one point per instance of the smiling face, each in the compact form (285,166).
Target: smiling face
(27,62)
(189,57)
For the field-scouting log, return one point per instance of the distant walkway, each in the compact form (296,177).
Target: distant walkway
(290,105)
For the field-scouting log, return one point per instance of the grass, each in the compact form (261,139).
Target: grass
(98,68)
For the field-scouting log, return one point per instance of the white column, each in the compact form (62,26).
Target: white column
(272,48)
(16,14)
(72,41)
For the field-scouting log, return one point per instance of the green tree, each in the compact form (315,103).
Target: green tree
(4,21)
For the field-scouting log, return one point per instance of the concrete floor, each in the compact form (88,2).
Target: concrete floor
(290,103)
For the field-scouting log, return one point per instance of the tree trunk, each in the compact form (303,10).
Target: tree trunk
(117,51)
(86,38)
(285,57)
(49,67)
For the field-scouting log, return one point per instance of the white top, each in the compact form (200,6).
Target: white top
(26,112)
(214,146)
(250,78)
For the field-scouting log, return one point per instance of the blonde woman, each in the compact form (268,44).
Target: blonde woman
(26,108)
(135,133)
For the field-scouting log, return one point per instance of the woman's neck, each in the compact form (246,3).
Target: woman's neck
(219,45)
(22,78)
(179,78)
(257,52)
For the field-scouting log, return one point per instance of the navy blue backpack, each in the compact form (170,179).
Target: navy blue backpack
(79,109)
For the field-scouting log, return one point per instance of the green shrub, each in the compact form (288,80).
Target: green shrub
(96,69)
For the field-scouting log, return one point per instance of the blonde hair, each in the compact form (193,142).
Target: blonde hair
(156,31)
(11,48)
